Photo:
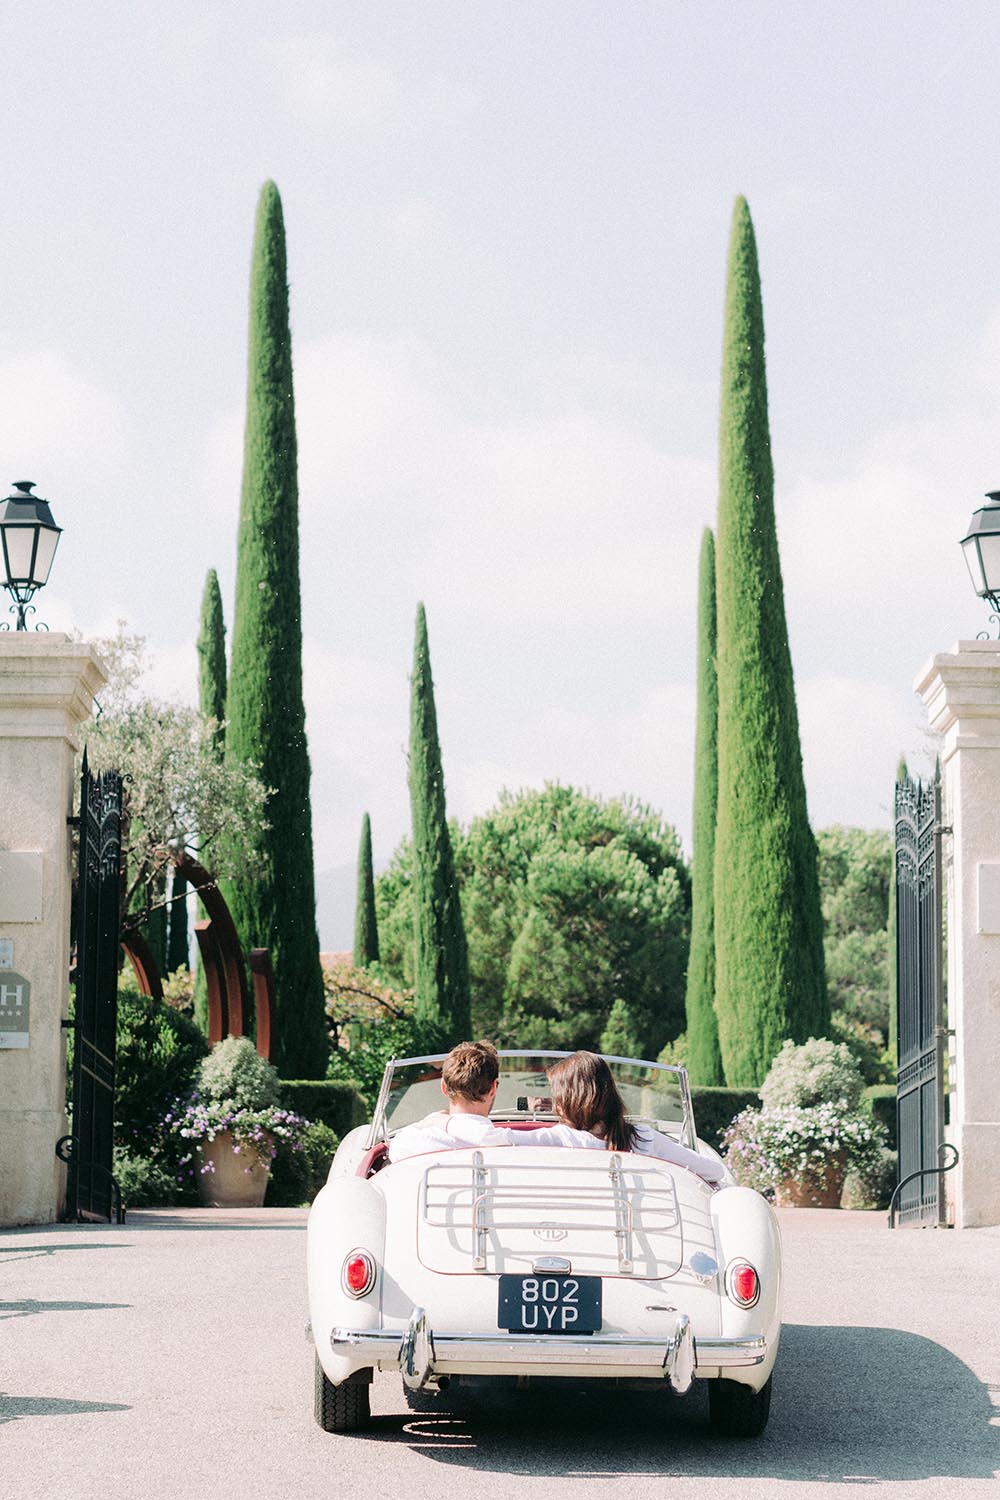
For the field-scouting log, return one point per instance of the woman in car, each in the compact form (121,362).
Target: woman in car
(585,1098)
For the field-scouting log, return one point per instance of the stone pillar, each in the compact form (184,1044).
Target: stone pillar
(47,688)
(961,690)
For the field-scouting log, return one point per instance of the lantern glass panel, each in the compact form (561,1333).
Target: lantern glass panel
(19,544)
(48,541)
(970,551)
(989,551)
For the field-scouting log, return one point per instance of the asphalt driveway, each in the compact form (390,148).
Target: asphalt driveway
(167,1358)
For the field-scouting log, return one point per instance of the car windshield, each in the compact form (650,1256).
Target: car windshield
(653,1092)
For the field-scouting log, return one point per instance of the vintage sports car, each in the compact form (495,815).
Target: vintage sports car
(540,1261)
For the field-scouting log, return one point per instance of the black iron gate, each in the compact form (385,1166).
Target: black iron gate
(91,1188)
(920,1028)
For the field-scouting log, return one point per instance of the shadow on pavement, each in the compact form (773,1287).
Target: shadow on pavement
(13,1408)
(850,1404)
(31,1252)
(25,1308)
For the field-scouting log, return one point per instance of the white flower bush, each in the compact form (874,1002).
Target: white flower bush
(811,1123)
(237,1090)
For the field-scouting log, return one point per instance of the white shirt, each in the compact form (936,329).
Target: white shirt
(441,1131)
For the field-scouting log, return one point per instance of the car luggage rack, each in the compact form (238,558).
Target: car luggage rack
(609,1190)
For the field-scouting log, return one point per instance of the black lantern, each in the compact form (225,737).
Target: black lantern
(29,537)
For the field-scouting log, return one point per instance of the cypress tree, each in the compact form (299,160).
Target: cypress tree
(274,905)
(703,1057)
(178,955)
(769,979)
(441,967)
(365,923)
(211,647)
(892,1040)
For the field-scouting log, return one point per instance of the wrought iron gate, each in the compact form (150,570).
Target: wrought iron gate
(920,1002)
(91,1187)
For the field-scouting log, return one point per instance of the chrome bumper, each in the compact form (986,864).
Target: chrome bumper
(422,1354)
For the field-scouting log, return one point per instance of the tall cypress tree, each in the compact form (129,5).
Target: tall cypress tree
(178,944)
(442,962)
(211,647)
(365,923)
(769,981)
(703,1057)
(274,904)
(892,1040)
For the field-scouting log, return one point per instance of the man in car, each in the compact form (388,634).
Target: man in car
(469,1081)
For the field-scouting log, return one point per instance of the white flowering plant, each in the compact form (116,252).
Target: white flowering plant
(765,1147)
(238,1091)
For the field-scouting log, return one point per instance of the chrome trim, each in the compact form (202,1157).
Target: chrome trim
(704,1267)
(623,1215)
(416,1351)
(731,1269)
(422,1355)
(554,1264)
(480,1187)
(355,1254)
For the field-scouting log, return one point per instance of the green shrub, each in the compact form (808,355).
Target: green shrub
(145,1182)
(815,1072)
(159,1051)
(871,1186)
(716,1108)
(235,1073)
(880,1100)
(298,1172)
(364,1064)
(331,1101)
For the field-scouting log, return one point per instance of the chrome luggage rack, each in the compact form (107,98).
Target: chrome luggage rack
(446,1184)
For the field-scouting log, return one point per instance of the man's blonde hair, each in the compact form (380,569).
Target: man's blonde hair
(470,1070)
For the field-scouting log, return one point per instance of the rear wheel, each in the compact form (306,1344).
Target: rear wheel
(736,1411)
(341,1408)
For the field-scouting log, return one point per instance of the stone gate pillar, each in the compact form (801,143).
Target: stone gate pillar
(961,690)
(47,688)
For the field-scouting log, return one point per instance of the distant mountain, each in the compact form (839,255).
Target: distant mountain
(336,891)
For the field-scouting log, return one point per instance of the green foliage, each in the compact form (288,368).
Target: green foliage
(144,1182)
(274,906)
(704,1058)
(158,1055)
(333,1102)
(892,1039)
(816,1072)
(765,1147)
(715,1109)
(365,920)
(871,1184)
(674,1053)
(234,1073)
(441,961)
(211,648)
(569,903)
(855,876)
(300,1168)
(865,1047)
(880,1100)
(364,1064)
(619,1038)
(769,940)
(177,931)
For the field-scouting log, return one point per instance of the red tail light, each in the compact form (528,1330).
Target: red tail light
(358,1274)
(742,1283)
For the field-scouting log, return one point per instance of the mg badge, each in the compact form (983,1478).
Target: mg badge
(550,1233)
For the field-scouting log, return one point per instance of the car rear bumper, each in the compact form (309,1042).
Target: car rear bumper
(423,1355)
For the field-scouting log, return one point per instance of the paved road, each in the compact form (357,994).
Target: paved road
(166,1358)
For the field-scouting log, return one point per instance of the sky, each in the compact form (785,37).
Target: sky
(507,229)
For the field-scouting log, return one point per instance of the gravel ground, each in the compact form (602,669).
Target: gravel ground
(166,1358)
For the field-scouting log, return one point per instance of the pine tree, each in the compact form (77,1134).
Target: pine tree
(770,981)
(274,906)
(441,966)
(365,923)
(211,647)
(619,1037)
(892,1040)
(703,1058)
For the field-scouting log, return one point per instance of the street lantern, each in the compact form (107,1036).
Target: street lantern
(29,537)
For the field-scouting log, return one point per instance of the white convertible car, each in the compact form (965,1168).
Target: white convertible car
(540,1261)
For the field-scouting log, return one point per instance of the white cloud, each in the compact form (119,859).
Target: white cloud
(324,87)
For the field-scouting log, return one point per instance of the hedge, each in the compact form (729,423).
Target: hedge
(715,1107)
(331,1100)
(880,1099)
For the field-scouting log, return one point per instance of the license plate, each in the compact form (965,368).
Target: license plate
(550,1304)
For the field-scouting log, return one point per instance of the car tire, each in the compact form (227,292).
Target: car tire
(736,1411)
(341,1408)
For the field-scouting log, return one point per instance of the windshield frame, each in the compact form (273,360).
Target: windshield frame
(380,1129)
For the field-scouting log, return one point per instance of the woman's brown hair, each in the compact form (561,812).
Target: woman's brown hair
(585,1096)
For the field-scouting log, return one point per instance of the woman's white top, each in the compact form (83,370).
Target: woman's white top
(441,1131)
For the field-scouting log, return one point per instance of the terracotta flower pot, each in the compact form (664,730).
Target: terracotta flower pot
(821,1191)
(235,1179)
